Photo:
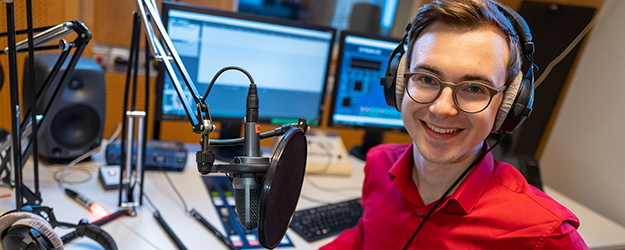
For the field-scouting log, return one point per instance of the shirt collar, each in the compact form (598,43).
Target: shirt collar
(472,187)
(465,196)
(402,165)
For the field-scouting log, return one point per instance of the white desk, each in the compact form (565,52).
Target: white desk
(142,231)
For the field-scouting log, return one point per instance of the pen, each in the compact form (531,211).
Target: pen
(212,229)
(93,207)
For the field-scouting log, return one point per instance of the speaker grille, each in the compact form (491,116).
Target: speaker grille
(76,126)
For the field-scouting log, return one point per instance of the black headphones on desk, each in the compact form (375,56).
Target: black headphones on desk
(29,230)
(518,96)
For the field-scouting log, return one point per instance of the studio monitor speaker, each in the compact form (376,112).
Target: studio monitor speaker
(365,18)
(74,123)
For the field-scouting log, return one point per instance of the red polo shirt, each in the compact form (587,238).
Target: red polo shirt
(493,208)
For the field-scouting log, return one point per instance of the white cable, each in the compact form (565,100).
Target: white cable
(85,155)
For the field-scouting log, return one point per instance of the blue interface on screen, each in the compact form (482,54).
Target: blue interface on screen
(288,65)
(359,100)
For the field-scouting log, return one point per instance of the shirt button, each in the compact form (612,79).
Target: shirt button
(420,214)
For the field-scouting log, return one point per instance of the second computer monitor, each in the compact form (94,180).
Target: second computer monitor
(358,98)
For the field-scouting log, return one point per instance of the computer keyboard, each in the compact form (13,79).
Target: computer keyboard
(327,220)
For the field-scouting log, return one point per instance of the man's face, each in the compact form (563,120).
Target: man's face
(444,134)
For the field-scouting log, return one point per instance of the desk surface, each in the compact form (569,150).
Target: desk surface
(142,231)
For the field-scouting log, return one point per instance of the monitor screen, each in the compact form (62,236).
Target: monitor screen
(288,61)
(358,99)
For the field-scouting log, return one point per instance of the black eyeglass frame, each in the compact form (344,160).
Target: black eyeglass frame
(492,91)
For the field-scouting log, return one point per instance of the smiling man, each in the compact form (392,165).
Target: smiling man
(445,190)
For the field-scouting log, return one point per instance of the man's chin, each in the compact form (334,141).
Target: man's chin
(443,156)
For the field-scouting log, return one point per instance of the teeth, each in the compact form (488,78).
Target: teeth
(440,130)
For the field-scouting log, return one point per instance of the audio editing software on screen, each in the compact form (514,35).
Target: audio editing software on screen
(359,97)
(288,64)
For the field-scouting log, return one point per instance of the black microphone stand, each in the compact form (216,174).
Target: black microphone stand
(28,129)
(162,50)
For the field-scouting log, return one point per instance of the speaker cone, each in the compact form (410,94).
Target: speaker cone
(75,126)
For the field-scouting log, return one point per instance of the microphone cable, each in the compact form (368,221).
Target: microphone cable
(161,222)
(210,85)
(502,135)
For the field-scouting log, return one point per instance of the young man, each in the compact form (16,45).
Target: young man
(462,55)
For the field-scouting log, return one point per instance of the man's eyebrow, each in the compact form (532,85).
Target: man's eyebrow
(430,68)
(477,78)
(469,77)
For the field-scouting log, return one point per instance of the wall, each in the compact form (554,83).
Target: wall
(583,155)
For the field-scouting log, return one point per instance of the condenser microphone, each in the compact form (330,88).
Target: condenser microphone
(247,186)
(267,199)
(266,189)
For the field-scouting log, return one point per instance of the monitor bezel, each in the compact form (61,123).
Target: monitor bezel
(337,77)
(160,80)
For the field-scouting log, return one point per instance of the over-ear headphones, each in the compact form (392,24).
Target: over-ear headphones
(28,230)
(518,98)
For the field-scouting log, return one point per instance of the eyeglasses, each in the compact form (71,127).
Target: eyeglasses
(470,96)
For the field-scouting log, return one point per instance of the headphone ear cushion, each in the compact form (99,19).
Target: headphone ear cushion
(400,81)
(509,97)
(44,228)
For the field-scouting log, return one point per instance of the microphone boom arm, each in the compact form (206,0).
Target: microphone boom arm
(165,53)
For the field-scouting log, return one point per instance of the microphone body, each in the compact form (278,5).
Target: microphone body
(248,186)
(266,189)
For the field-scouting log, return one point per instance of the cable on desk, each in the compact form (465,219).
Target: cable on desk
(197,216)
(138,234)
(161,222)
(62,171)
(84,170)
(184,204)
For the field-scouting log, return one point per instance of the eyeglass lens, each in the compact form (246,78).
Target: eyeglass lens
(469,96)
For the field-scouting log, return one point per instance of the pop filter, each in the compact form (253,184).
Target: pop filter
(282,187)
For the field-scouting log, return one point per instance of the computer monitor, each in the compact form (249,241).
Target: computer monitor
(358,98)
(288,61)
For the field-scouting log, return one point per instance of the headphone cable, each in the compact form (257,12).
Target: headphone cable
(466,171)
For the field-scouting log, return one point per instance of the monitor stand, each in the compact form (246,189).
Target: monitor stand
(229,130)
(372,137)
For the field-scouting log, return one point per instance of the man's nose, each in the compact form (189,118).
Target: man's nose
(444,105)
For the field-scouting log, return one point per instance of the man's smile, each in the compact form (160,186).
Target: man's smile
(441,130)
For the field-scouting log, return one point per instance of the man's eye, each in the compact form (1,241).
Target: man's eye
(427,79)
(475,89)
